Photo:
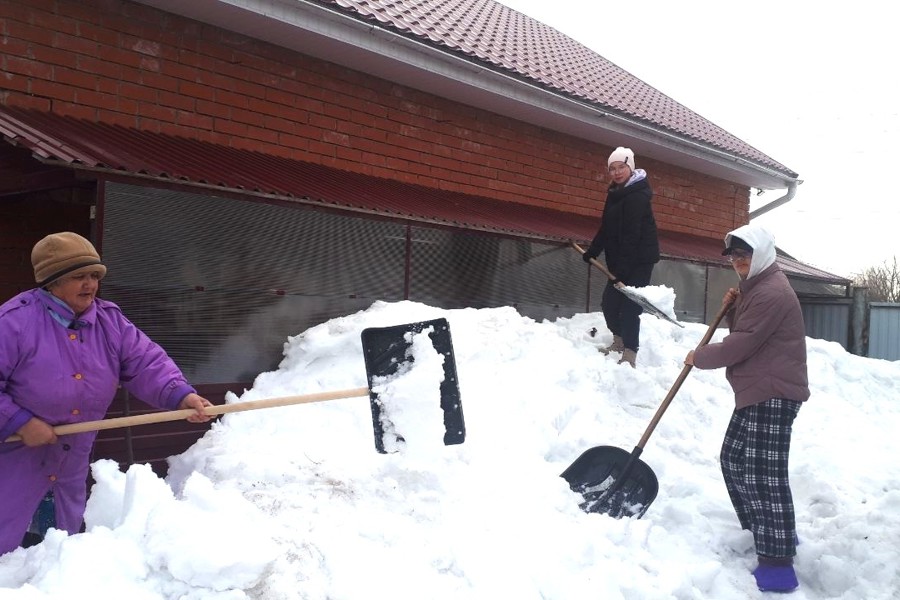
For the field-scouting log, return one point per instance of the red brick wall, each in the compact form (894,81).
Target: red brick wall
(125,63)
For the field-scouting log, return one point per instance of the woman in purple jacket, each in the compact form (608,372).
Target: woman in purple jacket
(63,353)
(764,357)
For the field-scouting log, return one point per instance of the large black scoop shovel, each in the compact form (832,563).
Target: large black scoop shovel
(615,482)
(385,349)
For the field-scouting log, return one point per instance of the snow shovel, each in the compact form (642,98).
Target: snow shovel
(617,483)
(384,349)
(629,292)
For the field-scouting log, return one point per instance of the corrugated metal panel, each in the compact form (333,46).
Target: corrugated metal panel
(221,286)
(884,331)
(453,269)
(828,321)
(98,146)
(687,279)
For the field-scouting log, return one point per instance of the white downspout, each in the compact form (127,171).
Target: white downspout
(791,192)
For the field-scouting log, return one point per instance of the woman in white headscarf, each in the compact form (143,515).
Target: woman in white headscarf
(764,357)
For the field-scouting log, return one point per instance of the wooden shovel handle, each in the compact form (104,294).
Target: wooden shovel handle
(681,377)
(176,415)
(596,263)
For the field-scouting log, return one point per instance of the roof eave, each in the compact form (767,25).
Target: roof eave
(334,36)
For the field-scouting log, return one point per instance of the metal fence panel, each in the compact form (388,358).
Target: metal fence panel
(827,321)
(884,330)
(687,279)
(220,283)
(453,269)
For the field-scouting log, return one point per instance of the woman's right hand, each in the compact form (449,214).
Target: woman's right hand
(731,296)
(37,433)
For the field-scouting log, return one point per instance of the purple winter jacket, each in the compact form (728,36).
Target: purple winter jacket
(63,375)
(765,354)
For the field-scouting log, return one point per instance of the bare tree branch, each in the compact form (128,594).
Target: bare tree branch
(883,281)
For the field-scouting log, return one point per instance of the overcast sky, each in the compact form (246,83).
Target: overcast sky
(814,86)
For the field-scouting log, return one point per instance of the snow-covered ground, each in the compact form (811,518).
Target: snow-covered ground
(294,502)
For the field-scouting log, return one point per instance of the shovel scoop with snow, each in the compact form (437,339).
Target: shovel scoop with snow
(631,293)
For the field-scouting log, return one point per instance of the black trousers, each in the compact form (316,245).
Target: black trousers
(621,314)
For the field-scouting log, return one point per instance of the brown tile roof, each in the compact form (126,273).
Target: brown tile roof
(504,39)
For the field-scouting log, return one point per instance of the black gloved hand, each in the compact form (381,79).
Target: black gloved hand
(587,256)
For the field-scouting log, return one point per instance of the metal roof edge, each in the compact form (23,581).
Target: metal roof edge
(114,151)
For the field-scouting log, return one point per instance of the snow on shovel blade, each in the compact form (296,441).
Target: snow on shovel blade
(613,482)
(635,296)
(631,293)
(386,348)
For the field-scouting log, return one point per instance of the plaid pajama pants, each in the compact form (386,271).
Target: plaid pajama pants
(755,467)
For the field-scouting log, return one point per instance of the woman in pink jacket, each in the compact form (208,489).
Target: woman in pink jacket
(764,357)
(63,353)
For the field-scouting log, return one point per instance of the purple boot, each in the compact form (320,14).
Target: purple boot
(776,578)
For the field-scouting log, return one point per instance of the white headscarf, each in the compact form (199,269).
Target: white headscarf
(762,242)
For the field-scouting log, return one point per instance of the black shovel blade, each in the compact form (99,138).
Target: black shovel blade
(385,350)
(612,481)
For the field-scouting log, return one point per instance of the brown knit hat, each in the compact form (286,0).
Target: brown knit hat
(63,253)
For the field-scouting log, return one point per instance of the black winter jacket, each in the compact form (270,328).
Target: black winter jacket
(628,229)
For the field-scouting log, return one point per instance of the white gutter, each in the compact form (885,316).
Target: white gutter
(791,192)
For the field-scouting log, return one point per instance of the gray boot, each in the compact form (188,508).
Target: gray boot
(617,346)
(628,356)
